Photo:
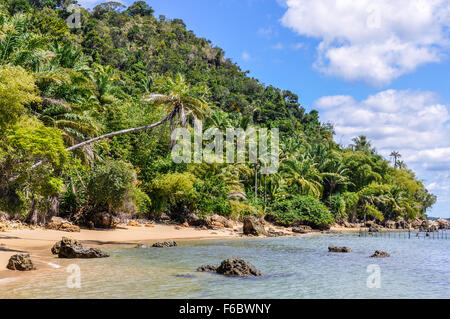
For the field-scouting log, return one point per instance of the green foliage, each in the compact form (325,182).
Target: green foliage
(213,197)
(305,209)
(110,184)
(174,191)
(17,89)
(32,140)
(61,86)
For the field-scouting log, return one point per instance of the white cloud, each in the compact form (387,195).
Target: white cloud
(415,123)
(412,122)
(372,41)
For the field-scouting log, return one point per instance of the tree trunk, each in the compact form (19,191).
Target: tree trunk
(95,139)
(256,180)
(265,192)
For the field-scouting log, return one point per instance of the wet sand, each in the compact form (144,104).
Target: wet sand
(40,241)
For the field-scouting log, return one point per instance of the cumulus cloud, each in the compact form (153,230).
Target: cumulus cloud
(372,41)
(415,123)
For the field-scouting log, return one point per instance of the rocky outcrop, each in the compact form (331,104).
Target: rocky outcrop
(58,223)
(380,254)
(21,262)
(430,226)
(104,220)
(164,244)
(216,222)
(301,229)
(56,247)
(209,268)
(237,267)
(389,224)
(443,224)
(71,248)
(233,267)
(253,226)
(276,233)
(335,249)
(374,229)
(401,224)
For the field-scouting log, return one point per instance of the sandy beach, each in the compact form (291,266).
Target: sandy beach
(38,242)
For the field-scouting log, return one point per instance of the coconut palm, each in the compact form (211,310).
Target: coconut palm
(362,144)
(304,175)
(396,155)
(335,175)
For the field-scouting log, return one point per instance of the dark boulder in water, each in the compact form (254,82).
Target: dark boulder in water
(335,249)
(71,248)
(21,262)
(235,267)
(380,254)
(165,244)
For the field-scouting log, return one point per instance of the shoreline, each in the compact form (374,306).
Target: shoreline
(38,242)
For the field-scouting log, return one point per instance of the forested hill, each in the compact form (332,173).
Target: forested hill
(60,86)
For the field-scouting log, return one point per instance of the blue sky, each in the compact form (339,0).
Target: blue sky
(375,68)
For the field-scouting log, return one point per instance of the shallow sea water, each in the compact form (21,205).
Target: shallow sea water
(299,267)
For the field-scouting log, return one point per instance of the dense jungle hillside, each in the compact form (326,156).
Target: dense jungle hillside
(124,68)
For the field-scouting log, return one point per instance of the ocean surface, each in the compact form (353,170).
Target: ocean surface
(299,267)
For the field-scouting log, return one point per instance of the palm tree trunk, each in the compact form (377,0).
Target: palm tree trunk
(265,192)
(256,180)
(95,139)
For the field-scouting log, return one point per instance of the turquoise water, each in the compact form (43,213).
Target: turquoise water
(292,268)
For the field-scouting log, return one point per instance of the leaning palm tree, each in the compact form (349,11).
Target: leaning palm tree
(180,100)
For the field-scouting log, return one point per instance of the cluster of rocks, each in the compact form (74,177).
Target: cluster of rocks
(161,244)
(233,267)
(11,224)
(58,223)
(71,248)
(337,249)
(217,222)
(402,224)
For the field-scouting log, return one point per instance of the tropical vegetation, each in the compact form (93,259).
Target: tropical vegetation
(86,116)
